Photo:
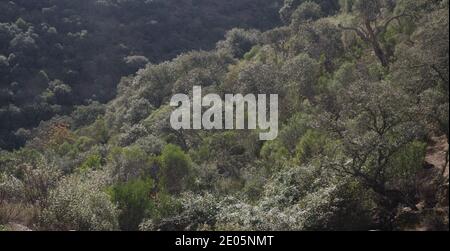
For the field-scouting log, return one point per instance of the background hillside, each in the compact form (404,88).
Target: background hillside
(363,144)
(58,53)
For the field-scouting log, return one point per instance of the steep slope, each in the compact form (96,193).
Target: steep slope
(362,92)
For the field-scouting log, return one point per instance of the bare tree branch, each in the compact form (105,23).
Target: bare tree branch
(360,33)
(384,27)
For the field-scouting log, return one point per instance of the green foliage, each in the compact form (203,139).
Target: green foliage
(192,212)
(274,150)
(405,166)
(129,163)
(238,42)
(290,6)
(338,208)
(175,169)
(11,188)
(311,145)
(135,200)
(360,92)
(321,40)
(78,203)
(303,74)
(93,162)
(368,9)
(252,53)
(256,77)
(346,5)
(85,115)
(298,198)
(98,131)
(294,129)
(409,159)
(230,151)
(307,11)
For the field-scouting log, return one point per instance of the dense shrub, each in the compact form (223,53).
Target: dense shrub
(238,42)
(78,203)
(175,169)
(129,163)
(135,200)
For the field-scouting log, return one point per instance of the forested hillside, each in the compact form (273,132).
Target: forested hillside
(363,104)
(58,53)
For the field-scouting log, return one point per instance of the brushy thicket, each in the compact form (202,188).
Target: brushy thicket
(363,86)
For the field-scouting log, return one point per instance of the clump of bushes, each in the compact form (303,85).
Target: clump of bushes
(79,203)
(136,200)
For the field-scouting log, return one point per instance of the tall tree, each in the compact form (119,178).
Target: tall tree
(368,27)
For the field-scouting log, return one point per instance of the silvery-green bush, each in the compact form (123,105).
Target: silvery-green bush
(78,203)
